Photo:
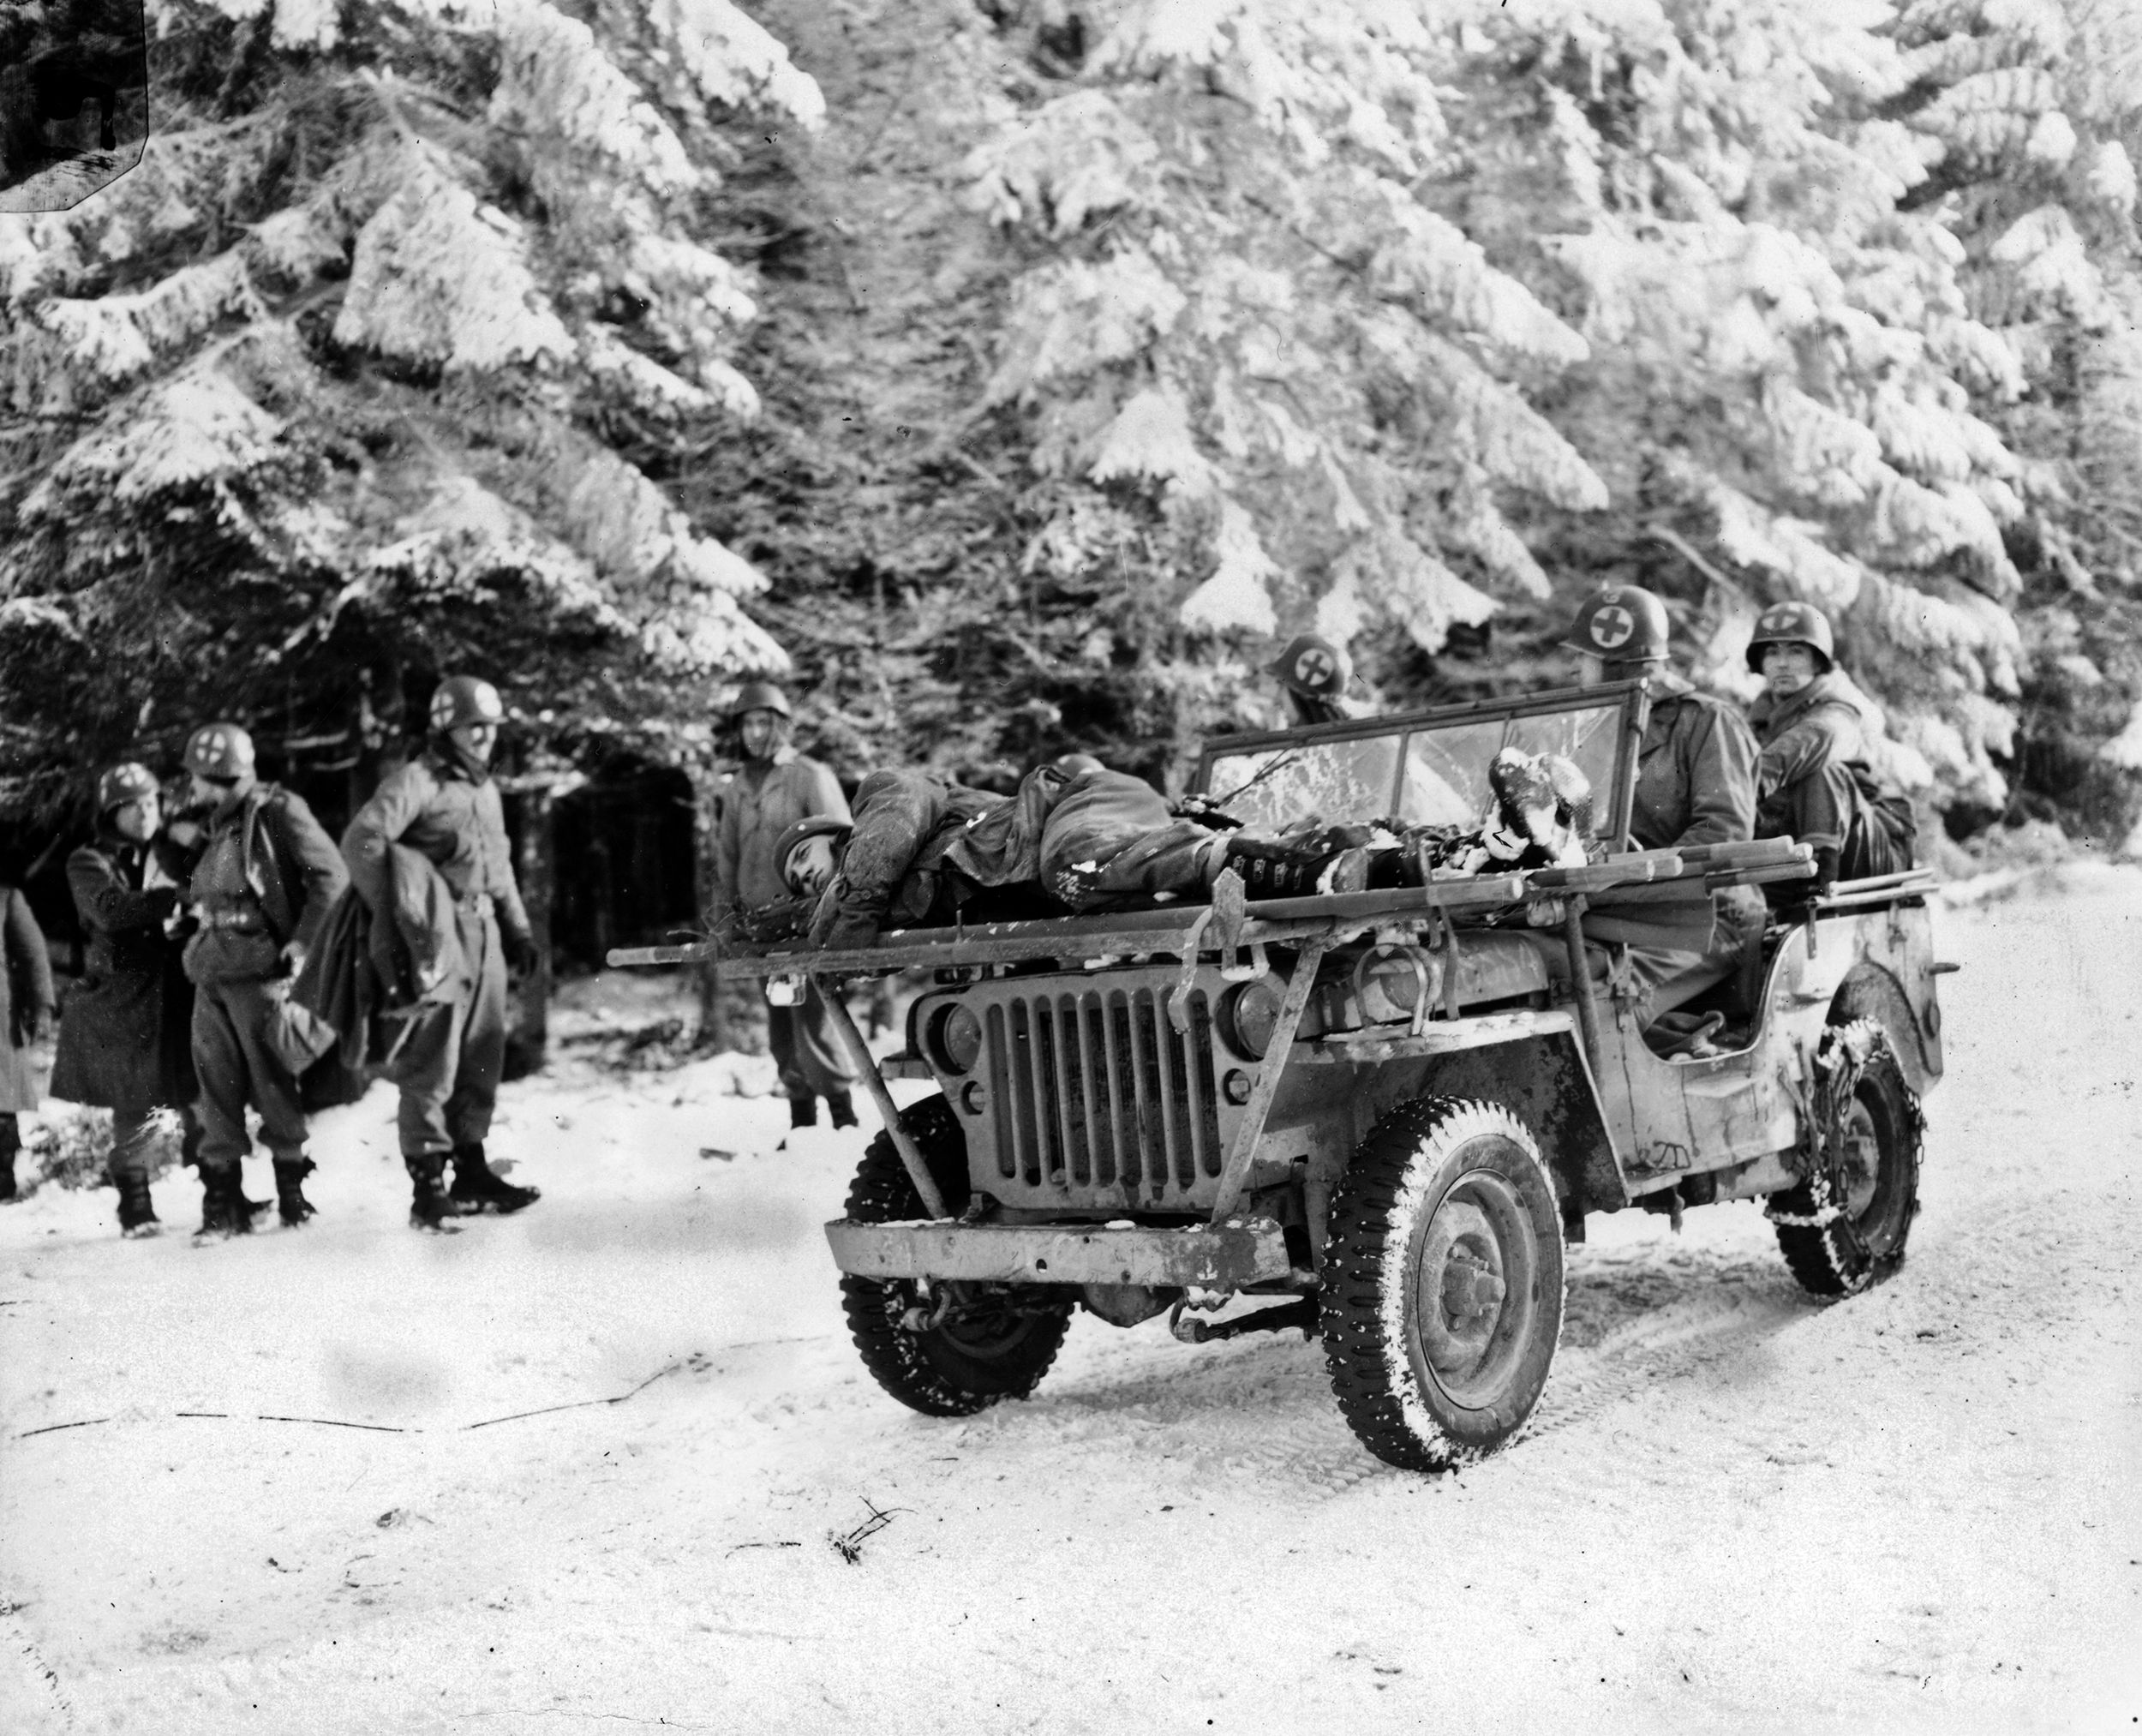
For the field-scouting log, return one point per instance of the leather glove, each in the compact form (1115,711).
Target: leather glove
(521,955)
(1825,872)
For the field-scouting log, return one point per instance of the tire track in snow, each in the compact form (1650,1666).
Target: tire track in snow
(1632,1323)
(41,1683)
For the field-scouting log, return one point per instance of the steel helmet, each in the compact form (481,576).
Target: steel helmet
(759,695)
(1792,624)
(222,752)
(1313,667)
(125,783)
(462,699)
(812,826)
(1622,623)
(1071,765)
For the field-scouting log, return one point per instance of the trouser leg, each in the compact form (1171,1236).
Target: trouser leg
(478,1063)
(425,1071)
(220,1061)
(273,1086)
(1092,871)
(479,1054)
(10,1143)
(132,1128)
(1817,809)
(795,1083)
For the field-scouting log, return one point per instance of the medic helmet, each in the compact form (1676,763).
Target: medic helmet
(1622,624)
(1792,624)
(462,699)
(220,752)
(125,783)
(1313,667)
(758,696)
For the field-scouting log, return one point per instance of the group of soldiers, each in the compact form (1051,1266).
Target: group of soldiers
(203,929)
(917,851)
(211,931)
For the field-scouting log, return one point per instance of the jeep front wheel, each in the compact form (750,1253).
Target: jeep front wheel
(1442,1284)
(962,1347)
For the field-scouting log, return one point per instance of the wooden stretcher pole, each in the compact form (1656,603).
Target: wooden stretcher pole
(888,1111)
(1581,978)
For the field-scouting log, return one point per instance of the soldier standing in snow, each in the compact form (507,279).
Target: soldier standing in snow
(1814,782)
(444,806)
(266,876)
(777,787)
(125,1043)
(1694,779)
(26,1015)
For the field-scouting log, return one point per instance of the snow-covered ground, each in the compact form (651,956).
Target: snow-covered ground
(606,1447)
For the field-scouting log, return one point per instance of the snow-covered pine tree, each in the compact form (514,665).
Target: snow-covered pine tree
(2033,114)
(1236,311)
(1402,315)
(1780,395)
(380,358)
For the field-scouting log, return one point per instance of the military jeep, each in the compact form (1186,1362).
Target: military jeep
(1387,1110)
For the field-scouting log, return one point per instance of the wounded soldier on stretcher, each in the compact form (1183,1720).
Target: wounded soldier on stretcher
(923,852)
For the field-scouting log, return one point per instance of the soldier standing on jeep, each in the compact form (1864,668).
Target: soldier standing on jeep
(778,787)
(1696,781)
(266,877)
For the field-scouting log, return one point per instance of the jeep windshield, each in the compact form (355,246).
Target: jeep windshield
(1428,768)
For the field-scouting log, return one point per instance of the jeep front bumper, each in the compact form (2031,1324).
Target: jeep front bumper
(1225,1256)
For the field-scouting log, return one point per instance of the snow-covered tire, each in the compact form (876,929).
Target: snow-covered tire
(1843,1251)
(994,1342)
(1442,1284)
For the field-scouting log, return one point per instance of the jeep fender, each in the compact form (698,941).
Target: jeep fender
(1872,991)
(1543,1079)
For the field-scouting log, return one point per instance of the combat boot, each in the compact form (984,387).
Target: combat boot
(843,1108)
(430,1204)
(9,1141)
(290,1202)
(481,1188)
(137,1212)
(803,1111)
(222,1203)
(1305,869)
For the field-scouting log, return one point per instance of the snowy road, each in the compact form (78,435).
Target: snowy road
(1736,1510)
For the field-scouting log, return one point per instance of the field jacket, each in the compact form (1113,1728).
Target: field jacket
(266,878)
(1695,774)
(440,814)
(760,802)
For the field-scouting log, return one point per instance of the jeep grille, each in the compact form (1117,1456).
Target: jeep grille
(1093,1088)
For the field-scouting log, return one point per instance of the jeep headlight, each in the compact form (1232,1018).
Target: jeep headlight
(955,1037)
(1391,982)
(1249,1014)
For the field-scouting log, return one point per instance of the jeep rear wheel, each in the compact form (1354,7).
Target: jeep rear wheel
(984,1342)
(1442,1284)
(1875,1191)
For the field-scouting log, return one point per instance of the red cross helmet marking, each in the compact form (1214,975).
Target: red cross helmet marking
(1612,625)
(1315,666)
